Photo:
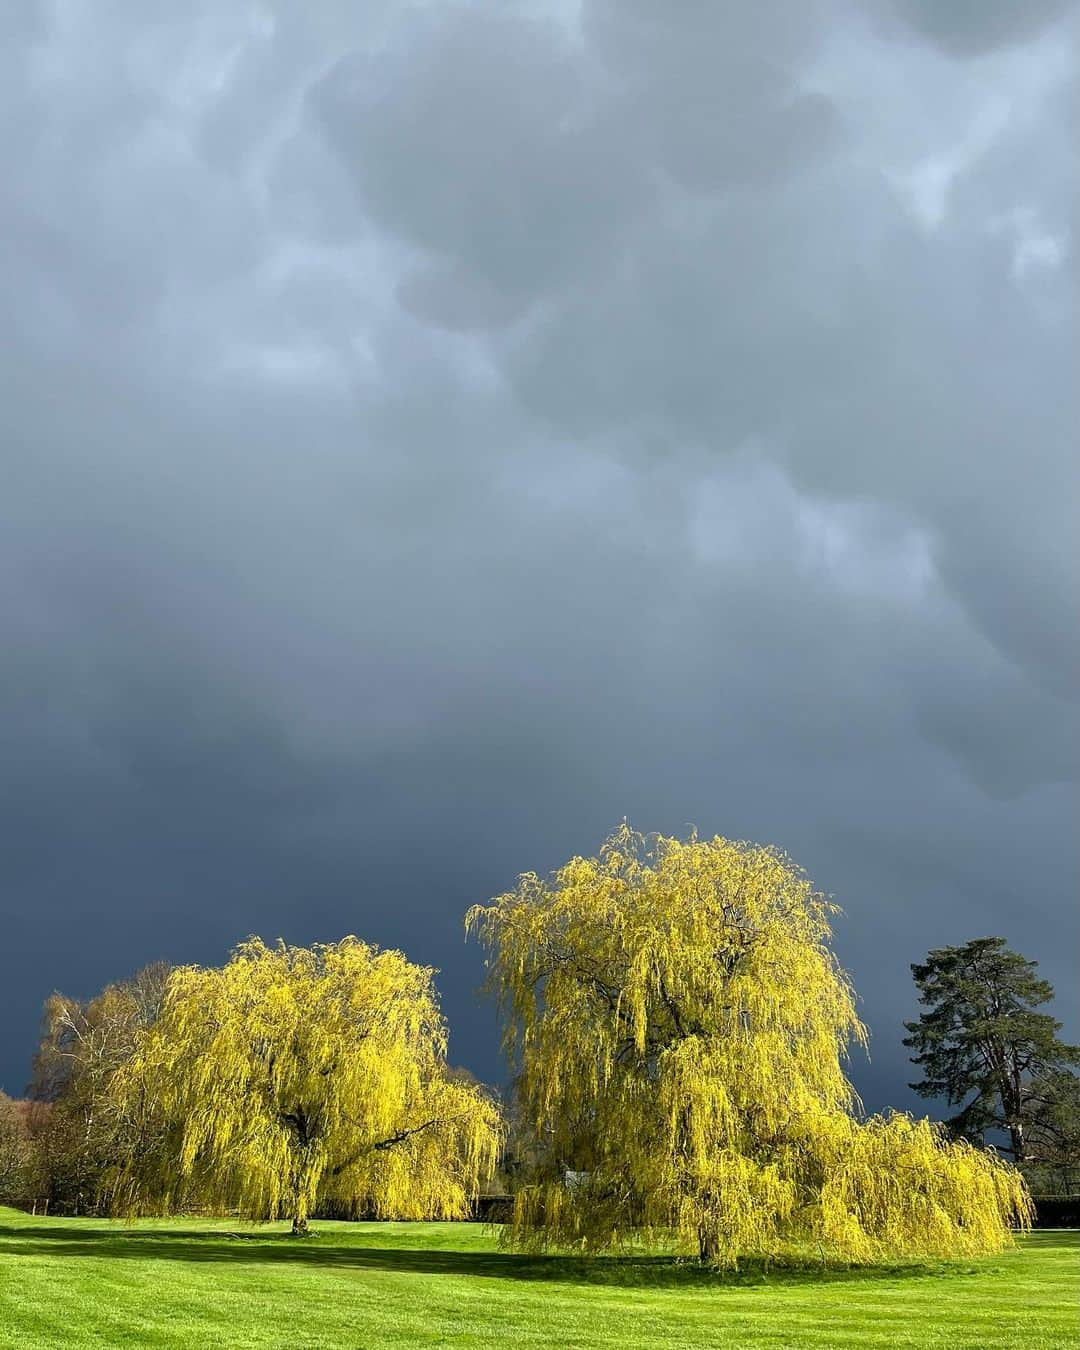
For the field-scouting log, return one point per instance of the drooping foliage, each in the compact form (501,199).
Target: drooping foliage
(678,1025)
(294,1076)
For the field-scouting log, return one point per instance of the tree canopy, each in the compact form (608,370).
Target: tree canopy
(77,1131)
(15,1150)
(294,1075)
(678,1023)
(982,1046)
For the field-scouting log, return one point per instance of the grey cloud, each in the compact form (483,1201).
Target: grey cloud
(473,140)
(966,28)
(451,298)
(430,436)
(713,98)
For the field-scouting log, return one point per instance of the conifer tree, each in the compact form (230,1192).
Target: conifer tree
(982,1045)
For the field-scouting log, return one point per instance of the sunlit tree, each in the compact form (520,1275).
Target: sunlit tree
(678,1024)
(78,1133)
(295,1075)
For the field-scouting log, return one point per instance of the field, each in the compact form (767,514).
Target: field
(82,1282)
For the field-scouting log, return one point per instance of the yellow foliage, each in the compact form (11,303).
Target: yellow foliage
(295,1075)
(679,1024)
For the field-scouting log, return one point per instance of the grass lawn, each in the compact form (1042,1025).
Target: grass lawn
(86,1282)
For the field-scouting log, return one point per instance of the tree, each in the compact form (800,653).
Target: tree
(82,1046)
(15,1151)
(676,1021)
(82,1043)
(296,1075)
(1053,1135)
(981,1045)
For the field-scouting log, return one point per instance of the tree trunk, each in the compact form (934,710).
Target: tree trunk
(300,1209)
(1012,1099)
(301,1171)
(708,1247)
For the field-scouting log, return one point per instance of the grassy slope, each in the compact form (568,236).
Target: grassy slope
(75,1283)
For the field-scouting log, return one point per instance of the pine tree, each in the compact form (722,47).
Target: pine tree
(981,1045)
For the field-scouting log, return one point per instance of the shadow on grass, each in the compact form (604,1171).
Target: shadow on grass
(633,1271)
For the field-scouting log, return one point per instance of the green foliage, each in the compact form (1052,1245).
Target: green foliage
(297,1075)
(982,1046)
(1053,1134)
(677,1023)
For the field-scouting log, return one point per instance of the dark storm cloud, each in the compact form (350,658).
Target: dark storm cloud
(971,27)
(430,437)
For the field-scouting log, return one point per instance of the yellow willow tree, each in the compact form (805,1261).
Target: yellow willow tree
(678,1026)
(293,1076)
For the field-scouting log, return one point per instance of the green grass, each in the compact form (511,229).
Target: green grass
(183,1282)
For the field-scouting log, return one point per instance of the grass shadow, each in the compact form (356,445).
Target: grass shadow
(628,1271)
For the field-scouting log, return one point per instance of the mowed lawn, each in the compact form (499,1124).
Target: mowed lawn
(83,1282)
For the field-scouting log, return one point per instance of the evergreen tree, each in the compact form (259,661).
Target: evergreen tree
(982,1045)
(1054,1134)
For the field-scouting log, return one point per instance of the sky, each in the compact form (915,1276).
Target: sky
(430,434)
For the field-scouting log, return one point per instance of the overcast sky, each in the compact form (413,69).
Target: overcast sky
(431,433)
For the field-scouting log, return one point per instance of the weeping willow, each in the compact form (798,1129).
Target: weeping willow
(295,1076)
(678,1026)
